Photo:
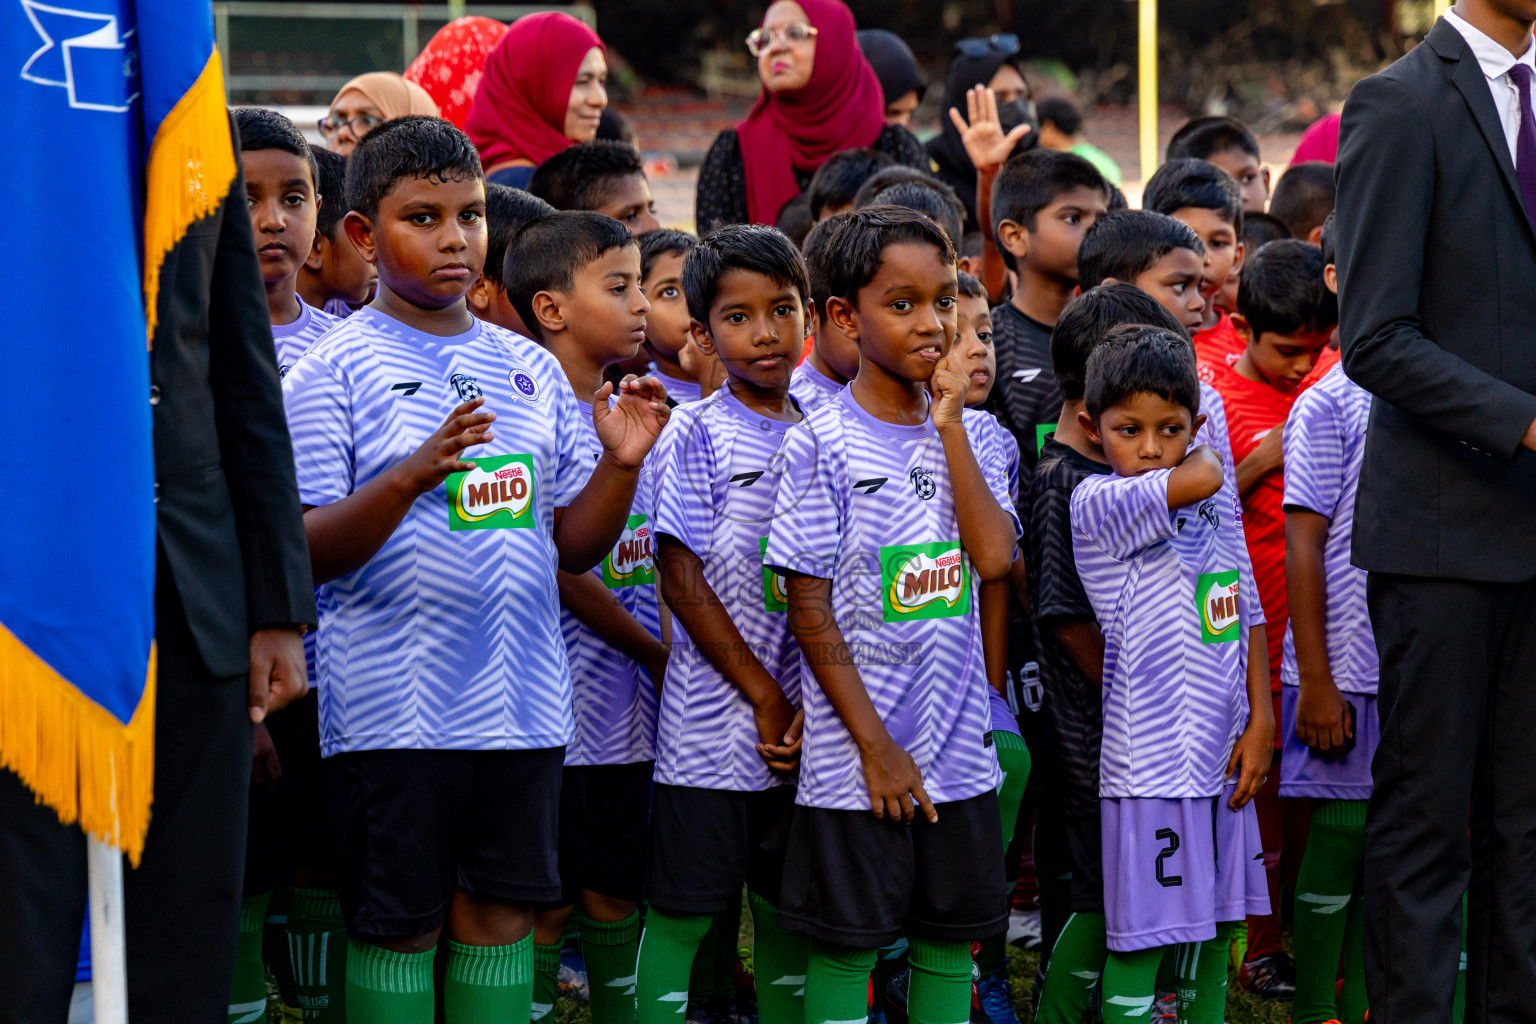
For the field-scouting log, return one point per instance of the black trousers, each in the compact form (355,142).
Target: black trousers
(1454,805)
(182,904)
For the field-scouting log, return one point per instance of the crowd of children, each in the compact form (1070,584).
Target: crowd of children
(661,574)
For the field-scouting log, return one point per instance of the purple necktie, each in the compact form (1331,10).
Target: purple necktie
(1525,142)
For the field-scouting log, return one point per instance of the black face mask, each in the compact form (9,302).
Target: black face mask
(1018,112)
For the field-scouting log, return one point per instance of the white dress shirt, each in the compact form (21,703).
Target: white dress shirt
(1496,61)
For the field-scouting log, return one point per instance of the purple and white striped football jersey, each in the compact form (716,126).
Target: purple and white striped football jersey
(812,388)
(717,466)
(983,424)
(1214,431)
(867,504)
(1324,445)
(1168,591)
(613,701)
(293,339)
(448,638)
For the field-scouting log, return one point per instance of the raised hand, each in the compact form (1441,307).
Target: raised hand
(440,454)
(629,427)
(981,130)
(948,386)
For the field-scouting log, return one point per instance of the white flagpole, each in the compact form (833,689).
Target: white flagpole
(109,966)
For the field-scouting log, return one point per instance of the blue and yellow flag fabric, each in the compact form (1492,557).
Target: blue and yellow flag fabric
(115,142)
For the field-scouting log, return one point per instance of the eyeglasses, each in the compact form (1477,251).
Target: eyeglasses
(331,124)
(760,40)
(1005,44)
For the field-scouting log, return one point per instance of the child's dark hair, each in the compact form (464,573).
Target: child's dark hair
(1185,184)
(613,126)
(582,176)
(1259,229)
(1031,181)
(885,178)
(1060,111)
(861,240)
(936,199)
(415,146)
(752,247)
(795,219)
(261,128)
(547,251)
(1203,137)
(1137,359)
(663,242)
(818,252)
(1282,290)
(1303,197)
(970,288)
(837,181)
(1325,240)
(1092,315)
(331,183)
(507,209)
(1127,243)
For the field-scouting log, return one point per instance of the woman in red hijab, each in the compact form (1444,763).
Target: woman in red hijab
(450,66)
(820,96)
(545,87)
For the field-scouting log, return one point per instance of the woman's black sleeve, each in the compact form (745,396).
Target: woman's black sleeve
(722,191)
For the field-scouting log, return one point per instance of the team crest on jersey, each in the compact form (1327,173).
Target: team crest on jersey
(631,563)
(1216,600)
(526,387)
(922,483)
(467,387)
(774,597)
(497,494)
(924,581)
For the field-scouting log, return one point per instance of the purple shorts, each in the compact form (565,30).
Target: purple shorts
(1304,773)
(1174,868)
(1002,719)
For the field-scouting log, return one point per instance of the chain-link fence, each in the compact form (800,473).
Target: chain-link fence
(301,53)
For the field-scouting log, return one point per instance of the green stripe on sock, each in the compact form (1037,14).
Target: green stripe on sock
(314,903)
(941,982)
(488,984)
(1342,813)
(253,912)
(609,933)
(383,970)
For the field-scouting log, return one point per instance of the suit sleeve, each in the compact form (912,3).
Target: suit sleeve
(253,433)
(1386,186)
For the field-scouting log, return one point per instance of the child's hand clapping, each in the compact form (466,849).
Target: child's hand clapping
(629,427)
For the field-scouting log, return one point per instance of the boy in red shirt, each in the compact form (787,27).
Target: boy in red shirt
(1208,199)
(1287,316)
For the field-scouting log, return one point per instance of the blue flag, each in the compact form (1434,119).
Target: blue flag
(116,142)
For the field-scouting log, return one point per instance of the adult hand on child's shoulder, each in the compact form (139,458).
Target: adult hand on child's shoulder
(441,454)
(628,428)
(278,676)
(948,386)
(981,130)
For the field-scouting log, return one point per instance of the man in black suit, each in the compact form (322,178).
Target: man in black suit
(1436,222)
(232,593)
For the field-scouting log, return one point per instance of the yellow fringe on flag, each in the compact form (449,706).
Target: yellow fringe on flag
(72,753)
(190,169)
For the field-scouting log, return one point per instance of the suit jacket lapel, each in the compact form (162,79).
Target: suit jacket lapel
(1467,75)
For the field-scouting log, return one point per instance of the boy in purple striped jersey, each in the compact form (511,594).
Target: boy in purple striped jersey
(560,274)
(891,512)
(1158,549)
(727,740)
(833,359)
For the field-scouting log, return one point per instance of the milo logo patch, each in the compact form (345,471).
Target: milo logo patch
(924,581)
(496,495)
(1217,602)
(774,597)
(631,563)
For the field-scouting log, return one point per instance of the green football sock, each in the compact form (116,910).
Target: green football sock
(1354,1001)
(701,975)
(726,939)
(1076,963)
(778,962)
(248,993)
(1202,976)
(385,987)
(488,984)
(609,949)
(1130,985)
(668,947)
(1013,758)
(941,982)
(1325,887)
(837,984)
(546,978)
(317,954)
(274,949)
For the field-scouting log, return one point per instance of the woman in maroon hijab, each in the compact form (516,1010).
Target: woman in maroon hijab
(819,97)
